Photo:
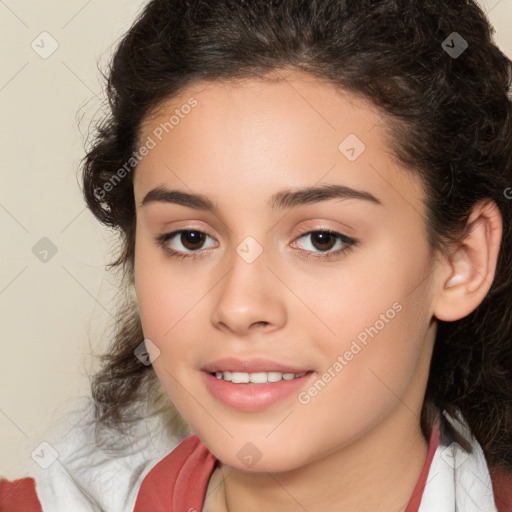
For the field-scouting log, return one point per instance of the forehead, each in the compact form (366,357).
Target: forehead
(298,94)
(290,130)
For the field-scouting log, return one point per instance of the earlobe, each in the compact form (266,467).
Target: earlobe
(472,267)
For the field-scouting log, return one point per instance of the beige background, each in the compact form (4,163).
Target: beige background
(53,311)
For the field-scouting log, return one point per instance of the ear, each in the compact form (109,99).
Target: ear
(469,270)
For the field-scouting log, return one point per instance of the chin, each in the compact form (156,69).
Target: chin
(269,465)
(258,456)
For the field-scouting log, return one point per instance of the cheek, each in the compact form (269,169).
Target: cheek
(349,300)
(377,316)
(163,293)
(163,312)
(366,375)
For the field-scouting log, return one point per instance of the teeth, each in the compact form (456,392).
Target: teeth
(239,378)
(256,378)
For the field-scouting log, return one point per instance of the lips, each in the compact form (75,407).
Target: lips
(249,391)
(250,397)
(253,365)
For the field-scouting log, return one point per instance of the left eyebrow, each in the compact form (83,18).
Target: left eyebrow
(288,198)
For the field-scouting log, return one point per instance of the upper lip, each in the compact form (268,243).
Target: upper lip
(257,364)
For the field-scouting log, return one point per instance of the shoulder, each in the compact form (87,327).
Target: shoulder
(177,482)
(84,477)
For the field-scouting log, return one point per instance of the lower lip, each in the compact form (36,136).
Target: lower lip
(253,397)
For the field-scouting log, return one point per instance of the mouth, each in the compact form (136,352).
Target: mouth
(255,391)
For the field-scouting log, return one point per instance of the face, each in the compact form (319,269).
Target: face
(263,280)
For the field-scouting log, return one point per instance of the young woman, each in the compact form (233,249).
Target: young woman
(314,201)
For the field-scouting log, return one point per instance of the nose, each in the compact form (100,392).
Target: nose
(248,299)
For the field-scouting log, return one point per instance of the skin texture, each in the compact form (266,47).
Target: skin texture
(357,444)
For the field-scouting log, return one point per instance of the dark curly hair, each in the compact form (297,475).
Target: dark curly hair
(449,119)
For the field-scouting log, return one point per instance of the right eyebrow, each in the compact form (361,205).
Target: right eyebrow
(165,195)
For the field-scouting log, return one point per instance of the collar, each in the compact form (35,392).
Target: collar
(458,480)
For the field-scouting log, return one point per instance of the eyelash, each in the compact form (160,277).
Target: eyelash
(349,244)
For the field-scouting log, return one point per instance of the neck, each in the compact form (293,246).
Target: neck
(358,476)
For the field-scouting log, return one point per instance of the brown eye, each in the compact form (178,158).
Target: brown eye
(184,243)
(323,240)
(190,239)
